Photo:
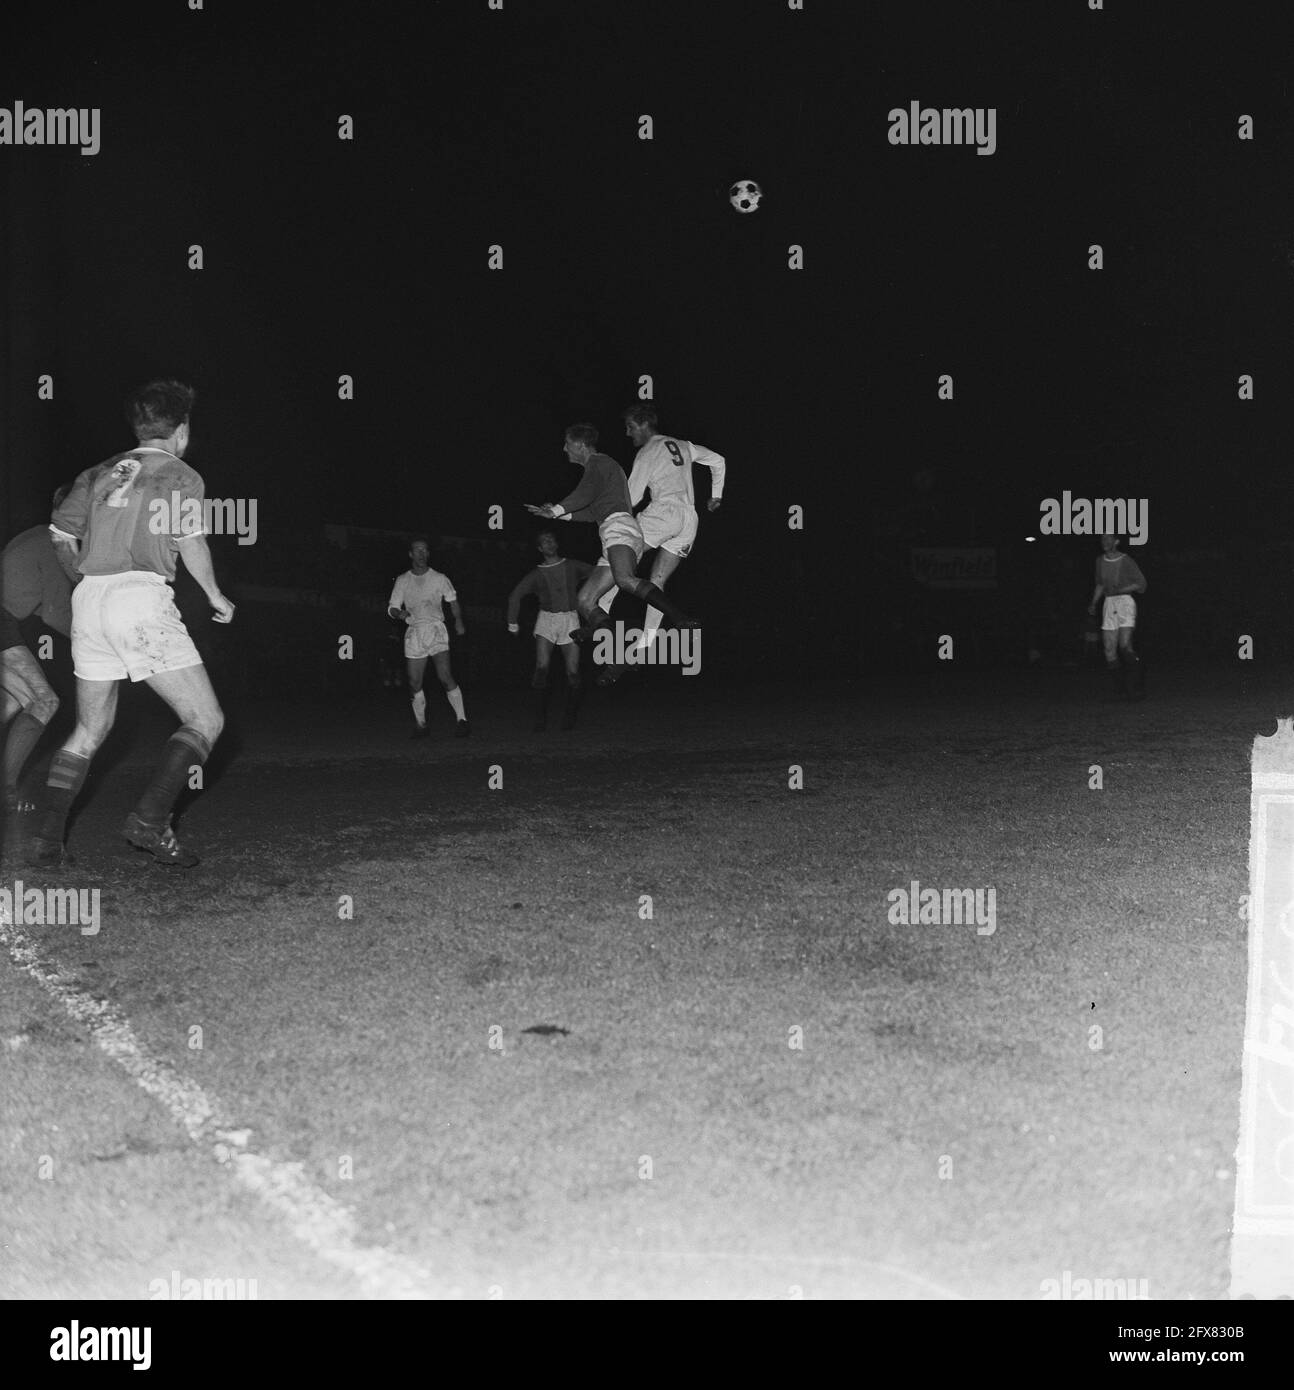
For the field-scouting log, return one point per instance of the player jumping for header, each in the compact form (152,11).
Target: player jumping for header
(1118,577)
(554,582)
(603,498)
(417,597)
(663,467)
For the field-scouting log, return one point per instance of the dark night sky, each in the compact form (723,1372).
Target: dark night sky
(622,257)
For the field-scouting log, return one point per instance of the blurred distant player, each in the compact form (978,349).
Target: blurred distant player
(603,498)
(34,584)
(417,597)
(663,467)
(555,582)
(124,619)
(1117,579)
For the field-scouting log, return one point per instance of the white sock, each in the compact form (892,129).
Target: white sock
(420,708)
(455,698)
(651,626)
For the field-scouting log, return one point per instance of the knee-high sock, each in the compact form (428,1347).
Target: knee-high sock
(185,749)
(455,698)
(420,707)
(24,734)
(654,596)
(67,773)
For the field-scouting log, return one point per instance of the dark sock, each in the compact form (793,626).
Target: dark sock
(67,773)
(185,749)
(541,704)
(24,734)
(653,596)
(574,688)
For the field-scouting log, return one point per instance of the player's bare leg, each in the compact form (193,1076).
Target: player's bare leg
(665,563)
(539,682)
(30,702)
(452,693)
(571,655)
(622,563)
(96,711)
(1110,647)
(416,667)
(1134,686)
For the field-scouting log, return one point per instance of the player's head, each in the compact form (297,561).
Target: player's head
(640,424)
(580,441)
(1109,544)
(419,550)
(548,545)
(159,413)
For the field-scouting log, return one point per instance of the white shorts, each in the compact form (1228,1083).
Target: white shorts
(425,639)
(128,625)
(556,627)
(620,528)
(669,524)
(1120,611)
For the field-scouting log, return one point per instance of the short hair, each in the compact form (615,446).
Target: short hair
(419,540)
(59,495)
(547,531)
(583,433)
(157,410)
(640,415)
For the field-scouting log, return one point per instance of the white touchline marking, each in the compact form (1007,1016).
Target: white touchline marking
(314,1218)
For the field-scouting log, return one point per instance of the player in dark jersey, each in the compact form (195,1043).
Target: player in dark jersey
(34,585)
(125,622)
(555,582)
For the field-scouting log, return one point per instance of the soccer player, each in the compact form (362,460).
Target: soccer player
(555,581)
(663,467)
(603,498)
(34,584)
(1117,579)
(418,597)
(121,528)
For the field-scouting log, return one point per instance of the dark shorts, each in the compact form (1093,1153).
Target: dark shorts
(10,632)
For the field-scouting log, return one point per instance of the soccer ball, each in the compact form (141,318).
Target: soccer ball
(745,194)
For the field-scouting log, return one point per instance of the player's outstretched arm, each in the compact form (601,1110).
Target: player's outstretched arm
(196,555)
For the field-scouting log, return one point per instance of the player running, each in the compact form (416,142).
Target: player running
(121,527)
(1118,578)
(603,498)
(34,584)
(663,467)
(555,581)
(418,597)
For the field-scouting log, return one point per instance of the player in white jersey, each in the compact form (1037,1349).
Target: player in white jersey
(417,597)
(663,467)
